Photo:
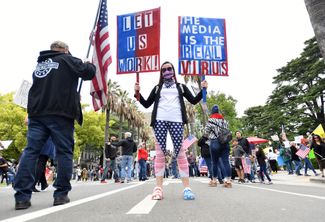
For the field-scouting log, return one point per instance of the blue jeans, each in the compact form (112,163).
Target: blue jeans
(264,172)
(143,169)
(209,165)
(127,161)
(11,176)
(309,165)
(174,168)
(110,164)
(253,169)
(297,166)
(39,129)
(221,151)
(289,166)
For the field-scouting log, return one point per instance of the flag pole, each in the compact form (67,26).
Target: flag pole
(91,39)
(204,96)
(138,81)
(204,91)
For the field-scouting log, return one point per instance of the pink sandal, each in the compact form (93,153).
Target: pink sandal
(157,193)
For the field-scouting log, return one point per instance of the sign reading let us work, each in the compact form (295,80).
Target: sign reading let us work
(202,46)
(138,42)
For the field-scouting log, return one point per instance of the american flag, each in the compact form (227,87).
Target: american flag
(303,151)
(101,59)
(246,162)
(189,141)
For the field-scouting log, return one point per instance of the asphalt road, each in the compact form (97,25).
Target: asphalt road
(289,199)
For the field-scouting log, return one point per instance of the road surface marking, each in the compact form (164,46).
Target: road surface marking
(165,183)
(202,180)
(40,213)
(286,192)
(144,207)
(168,181)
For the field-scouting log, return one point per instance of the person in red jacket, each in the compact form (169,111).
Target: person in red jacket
(142,159)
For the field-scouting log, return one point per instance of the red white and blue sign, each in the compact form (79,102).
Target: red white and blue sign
(138,42)
(202,46)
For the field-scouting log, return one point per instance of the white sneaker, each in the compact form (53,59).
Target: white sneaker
(269,183)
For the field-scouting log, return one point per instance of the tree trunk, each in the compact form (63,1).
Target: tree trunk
(204,117)
(316,10)
(120,127)
(192,133)
(106,137)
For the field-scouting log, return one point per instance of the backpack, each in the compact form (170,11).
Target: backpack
(224,136)
(285,154)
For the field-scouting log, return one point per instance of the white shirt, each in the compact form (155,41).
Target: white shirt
(272,156)
(169,107)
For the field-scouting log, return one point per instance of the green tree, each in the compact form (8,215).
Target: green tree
(299,93)
(12,126)
(91,134)
(227,107)
(261,121)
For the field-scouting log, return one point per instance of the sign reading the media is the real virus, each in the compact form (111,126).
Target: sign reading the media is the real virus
(202,46)
(138,42)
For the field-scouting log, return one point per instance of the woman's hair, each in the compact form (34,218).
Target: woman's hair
(161,78)
(320,139)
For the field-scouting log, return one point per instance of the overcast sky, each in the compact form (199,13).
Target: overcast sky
(262,36)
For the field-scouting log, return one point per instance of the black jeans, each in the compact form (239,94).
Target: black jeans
(273,166)
(40,171)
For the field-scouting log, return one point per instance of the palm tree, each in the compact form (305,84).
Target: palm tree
(191,118)
(139,123)
(197,80)
(121,108)
(131,113)
(316,10)
(112,89)
(145,133)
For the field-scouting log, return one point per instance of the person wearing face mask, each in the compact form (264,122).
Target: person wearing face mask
(169,115)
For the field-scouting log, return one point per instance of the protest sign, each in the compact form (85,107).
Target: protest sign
(21,96)
(138,42)
(5,144)
(275,137)
(298,139)
(319,131)
(202,46)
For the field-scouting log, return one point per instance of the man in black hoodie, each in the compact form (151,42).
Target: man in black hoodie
(53,105)
(128,148)
(110,156)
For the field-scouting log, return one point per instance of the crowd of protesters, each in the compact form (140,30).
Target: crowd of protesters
(142,166)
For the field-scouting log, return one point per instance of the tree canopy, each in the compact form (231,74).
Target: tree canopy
(297,101)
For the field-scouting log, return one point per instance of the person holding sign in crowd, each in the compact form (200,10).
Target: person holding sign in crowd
(319,149)
(169,115)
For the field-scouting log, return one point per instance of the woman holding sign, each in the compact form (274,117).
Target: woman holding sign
(319,149)
(169,114)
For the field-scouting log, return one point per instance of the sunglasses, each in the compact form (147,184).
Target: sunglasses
(166,69)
